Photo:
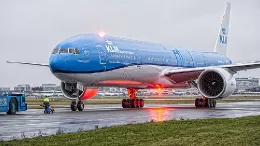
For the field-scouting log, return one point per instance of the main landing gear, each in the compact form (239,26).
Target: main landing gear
(77,105)
(133,102)
(205,102)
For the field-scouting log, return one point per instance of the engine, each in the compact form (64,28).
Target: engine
(216,83)
(71,92)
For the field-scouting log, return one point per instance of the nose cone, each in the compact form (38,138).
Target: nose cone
(57,63)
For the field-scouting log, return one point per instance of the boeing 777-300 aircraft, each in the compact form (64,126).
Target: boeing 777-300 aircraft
(85,62)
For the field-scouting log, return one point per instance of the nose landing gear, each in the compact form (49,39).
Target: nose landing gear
(78,104)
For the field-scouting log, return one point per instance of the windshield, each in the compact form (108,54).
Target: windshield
(63,51)
(66,50)
(74,51)
(55,51)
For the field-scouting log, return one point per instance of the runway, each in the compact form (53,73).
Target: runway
(34,123)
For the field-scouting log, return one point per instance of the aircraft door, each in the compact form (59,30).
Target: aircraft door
(102,54)
(138,57)
(178,57)
(205,60)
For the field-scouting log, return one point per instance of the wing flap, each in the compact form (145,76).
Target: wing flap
(243,66)
(188,74)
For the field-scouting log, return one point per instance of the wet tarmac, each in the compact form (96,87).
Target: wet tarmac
(34,123)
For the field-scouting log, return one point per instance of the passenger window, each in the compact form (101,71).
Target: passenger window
(63,51)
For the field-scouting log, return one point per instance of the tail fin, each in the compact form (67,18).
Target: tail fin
(222,39)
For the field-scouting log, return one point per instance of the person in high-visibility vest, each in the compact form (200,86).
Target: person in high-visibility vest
(46,103)
(46,99)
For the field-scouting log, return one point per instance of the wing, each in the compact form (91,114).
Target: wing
(189,74)
(28,63)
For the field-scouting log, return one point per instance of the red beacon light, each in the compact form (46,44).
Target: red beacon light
(102,34)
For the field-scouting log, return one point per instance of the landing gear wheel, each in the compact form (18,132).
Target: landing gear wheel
(138,102)
(209,103)
(80,106)
(128,103)
(205,102)
(12,107)
(141,103)
(197,102)
(73,106)
(214,103)
(133,103)
(124,103)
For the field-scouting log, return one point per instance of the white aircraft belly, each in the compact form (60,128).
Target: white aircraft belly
(132,76)
(144,74)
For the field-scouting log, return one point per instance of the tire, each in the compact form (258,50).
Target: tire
(209,103)
(214,103)
(73,106)
(141,103)
(124,101)
(128,101)
(12,107)
(201,102)
(138,103)
(196,102)
(80,106)
(133,103)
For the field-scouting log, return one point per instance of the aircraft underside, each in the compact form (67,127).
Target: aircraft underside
(132,78)
(138,76)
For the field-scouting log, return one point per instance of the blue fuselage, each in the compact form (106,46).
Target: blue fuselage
(91,53)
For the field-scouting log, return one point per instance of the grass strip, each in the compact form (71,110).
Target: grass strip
(237,131)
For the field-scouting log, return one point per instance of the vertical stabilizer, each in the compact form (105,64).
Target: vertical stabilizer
(222,39)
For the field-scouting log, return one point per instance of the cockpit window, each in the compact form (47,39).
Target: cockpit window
(77,51)
(55,51)
(63,51)
(74,51)
(66,50)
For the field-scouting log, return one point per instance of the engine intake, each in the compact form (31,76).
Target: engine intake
(71,92)
(216,83)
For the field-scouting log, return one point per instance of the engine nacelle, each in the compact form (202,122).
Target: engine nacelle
(71,92)
(216,83)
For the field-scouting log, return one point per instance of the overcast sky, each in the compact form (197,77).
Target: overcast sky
(30,29)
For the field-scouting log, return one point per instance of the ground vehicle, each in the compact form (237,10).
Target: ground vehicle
(12,103)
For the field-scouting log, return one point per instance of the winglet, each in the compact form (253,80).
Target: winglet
(222,39)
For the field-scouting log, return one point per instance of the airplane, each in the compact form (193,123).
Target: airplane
(87,61)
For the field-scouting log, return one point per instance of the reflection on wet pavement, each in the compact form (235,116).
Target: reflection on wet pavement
(34,122)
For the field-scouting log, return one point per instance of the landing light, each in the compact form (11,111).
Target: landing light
(102,34)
